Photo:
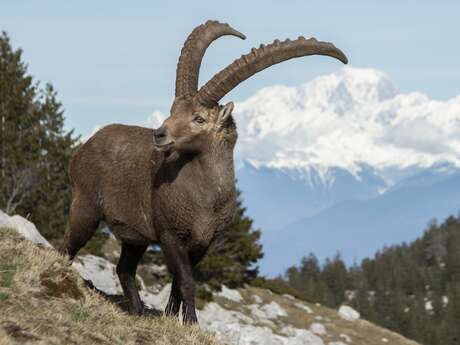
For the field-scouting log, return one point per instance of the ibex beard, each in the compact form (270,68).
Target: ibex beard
(175,185)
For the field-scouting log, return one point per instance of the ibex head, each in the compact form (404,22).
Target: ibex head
(197,122)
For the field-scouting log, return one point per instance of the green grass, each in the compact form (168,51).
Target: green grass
(7,272)
(77,313)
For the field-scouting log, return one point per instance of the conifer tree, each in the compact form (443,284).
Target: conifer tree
(335,275)
(306,277)
(18,113)
(34,147)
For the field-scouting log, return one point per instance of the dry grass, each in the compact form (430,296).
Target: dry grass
(44,301)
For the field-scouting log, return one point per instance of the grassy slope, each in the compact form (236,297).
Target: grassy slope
(43,301)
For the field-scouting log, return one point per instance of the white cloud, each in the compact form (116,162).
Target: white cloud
(155,119)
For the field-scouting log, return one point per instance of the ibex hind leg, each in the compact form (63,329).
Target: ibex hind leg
(83,222)
(126,270)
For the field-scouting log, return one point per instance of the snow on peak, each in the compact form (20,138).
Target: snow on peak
(347,119)
(349,86)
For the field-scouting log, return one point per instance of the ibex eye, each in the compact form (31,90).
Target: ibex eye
(199,119)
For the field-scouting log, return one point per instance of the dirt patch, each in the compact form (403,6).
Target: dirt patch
(17,332)
(57,284)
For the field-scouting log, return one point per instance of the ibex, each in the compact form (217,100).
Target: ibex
(175,185)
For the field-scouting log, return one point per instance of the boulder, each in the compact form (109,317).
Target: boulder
(348,313)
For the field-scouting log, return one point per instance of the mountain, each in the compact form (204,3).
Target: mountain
(358,228)
(279,196)
(346,119)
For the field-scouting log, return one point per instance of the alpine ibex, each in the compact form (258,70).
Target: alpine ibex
(174,186)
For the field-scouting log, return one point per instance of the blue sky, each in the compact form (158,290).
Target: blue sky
(114,61)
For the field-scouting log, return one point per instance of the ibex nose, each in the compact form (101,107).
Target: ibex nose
(159,133)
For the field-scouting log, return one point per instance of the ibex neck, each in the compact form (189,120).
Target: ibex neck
(217,163)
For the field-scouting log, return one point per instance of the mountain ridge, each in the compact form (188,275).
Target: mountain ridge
(358,228)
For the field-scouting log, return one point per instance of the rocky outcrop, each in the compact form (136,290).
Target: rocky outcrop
(23,227)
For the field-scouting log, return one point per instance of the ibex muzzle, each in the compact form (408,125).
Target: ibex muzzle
(161,139)
(175,185)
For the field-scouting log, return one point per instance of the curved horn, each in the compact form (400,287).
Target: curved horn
(193,51)
(259,59)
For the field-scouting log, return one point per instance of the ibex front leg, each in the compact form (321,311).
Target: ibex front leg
(126,270)
(173,306)
(175,300)
(178,263)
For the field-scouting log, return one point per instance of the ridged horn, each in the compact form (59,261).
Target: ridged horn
(259,59)
(193,51)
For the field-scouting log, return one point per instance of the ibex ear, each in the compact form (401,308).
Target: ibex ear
(225,113)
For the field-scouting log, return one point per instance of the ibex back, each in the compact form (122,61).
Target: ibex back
(174,186)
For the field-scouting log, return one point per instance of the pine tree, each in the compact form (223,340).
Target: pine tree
(305,278)
(18,113)
(363,301)
(34,148)
(453,313)
(335,275)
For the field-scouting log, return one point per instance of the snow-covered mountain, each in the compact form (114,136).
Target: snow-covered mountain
(348,138)
(344,120)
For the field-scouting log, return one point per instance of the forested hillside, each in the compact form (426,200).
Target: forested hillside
(413,289)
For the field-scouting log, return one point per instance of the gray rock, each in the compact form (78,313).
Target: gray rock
(348,313)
